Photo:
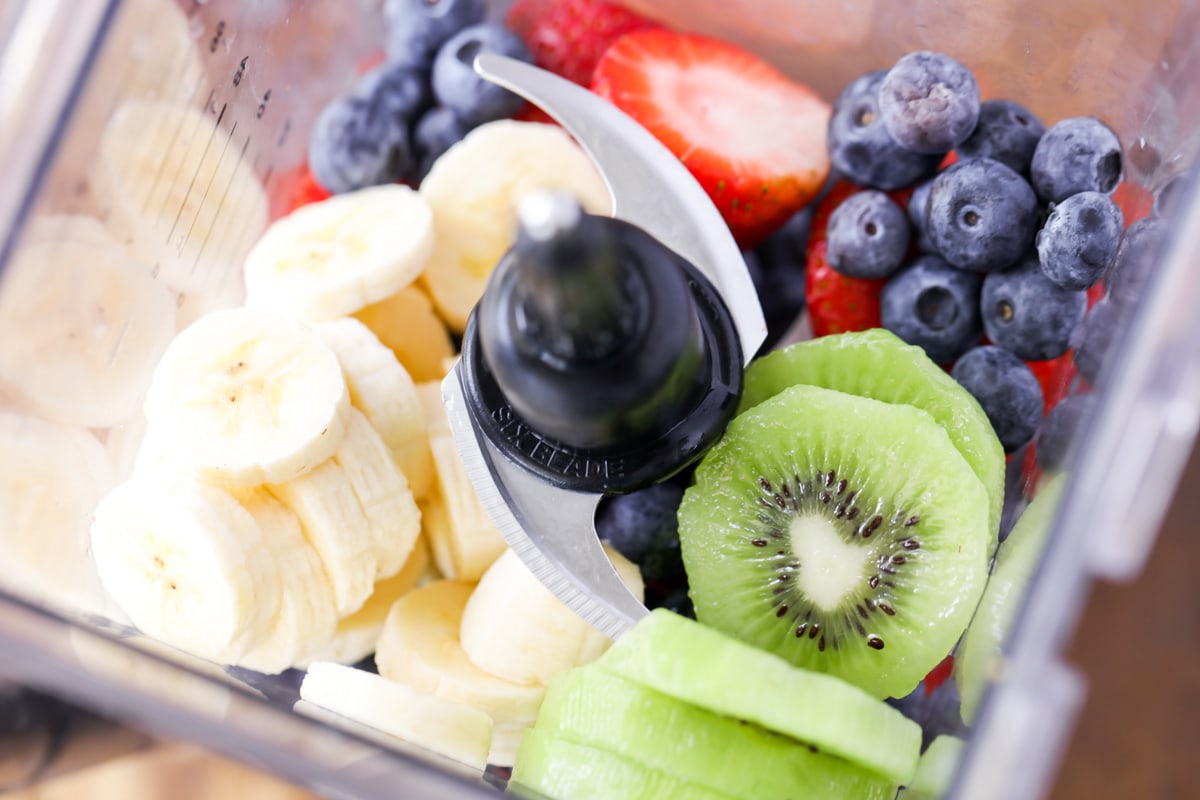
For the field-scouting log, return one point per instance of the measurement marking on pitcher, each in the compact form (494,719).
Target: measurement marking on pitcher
(204,197)
(162,167)
(220,204)
(192,182)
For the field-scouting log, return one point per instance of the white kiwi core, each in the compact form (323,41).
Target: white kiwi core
(830,567)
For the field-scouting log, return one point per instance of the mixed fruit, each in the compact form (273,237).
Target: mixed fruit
(278,491)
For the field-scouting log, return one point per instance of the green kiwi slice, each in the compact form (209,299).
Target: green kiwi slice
(879,365)
(601,709)
(974,664)
(935,770)
(696,664)
(844,534)
(557,768)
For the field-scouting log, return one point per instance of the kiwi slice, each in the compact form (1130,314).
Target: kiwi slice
(557,768)
(935,770)
(844,534)
(601,709)
(879,365)
(699,665)
(1016,560)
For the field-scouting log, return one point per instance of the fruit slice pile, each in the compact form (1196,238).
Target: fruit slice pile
(756,727)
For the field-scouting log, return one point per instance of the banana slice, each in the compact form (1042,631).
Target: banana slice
(179,187)
(516,629)
(463,538)
(188,565)
(407,323)
(242,398)
(307,617)
(474,190)
(449,728)
(357,634)
(419,647)
(505,741)
(51,477)
(383,391)
(335,525)
(81,326)
(79,228)
(123,442)
(329,259)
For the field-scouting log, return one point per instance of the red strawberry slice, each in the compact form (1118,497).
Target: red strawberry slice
(938,675)
(837,303)
(753,138)
(1134,201)
(568,37)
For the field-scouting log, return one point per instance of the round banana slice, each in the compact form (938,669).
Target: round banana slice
(474,189)
(444,726)
(81,326)
(51,477)
(329,259)
(407,323)
(383,391)
(242,398)
(188,565)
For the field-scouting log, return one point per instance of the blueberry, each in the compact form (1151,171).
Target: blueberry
(1168,198)
(401,89)
(435,133)
(1028,314)
(1058,432)
(867,236)
(1006,388)
(935,306)
(642,527)
(283,688)
(679,601)
(1077,154)
(982,215)
(415,29)
(1095,337)
(1079,238)
(918,214)
(358,142)
(1135,259)
(1006,132)
(937,712)
(861,149)
(789,242)
(929,102)
(461,89)
(778,270)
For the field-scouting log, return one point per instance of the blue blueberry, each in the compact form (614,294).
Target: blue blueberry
(1028,314)
(1134,262)
(1079,239)
(860,147)
(982,215)
(436,132)
(778,268)
(1077,154)
(642,526)
(1007,390)
(789,243)
(400,89)
(1060,429)
(358,142)
(676,600)
(1168,199)
(929,102)
(283,688)
(1016,496)
(415,29)
(458,87)
(938,712)
(918,216)
(934,306)
(1094,339)
(1006,132)
(867,236)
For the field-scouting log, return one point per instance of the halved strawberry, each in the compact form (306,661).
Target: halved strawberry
(753,138)
(837,303)
(1134,201)
(568,37)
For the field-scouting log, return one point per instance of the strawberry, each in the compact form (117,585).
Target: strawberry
(294,189)
(568,37)
(531,113)
(1134,201)
(753,138)
(837,303)
(938,675)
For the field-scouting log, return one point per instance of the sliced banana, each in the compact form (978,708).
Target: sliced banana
(462,536)
(80,228)
(407,323)
(505,741)
(180,188)
(515,628)
(329,259)
(357,634)
(123,442)
(242,398)
(51,477)
(81,327)
(188,565)
(383,391)
(307,618)
(444,726)
(335,525)
(474,190)
(419,647)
